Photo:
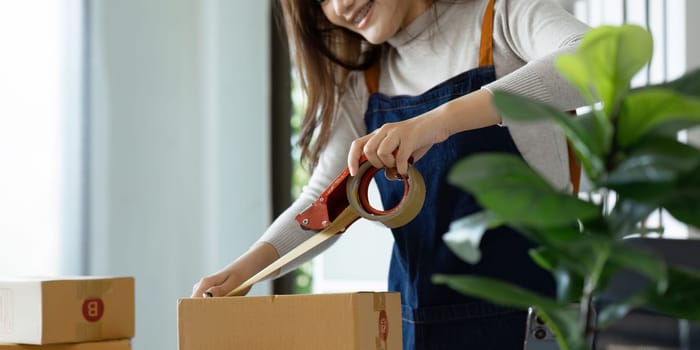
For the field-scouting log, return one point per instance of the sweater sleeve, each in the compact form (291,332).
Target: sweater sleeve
(285,233)
(537,32)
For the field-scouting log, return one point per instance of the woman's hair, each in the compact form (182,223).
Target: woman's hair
(324,54)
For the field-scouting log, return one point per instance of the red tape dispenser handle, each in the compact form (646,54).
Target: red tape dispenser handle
(351,191)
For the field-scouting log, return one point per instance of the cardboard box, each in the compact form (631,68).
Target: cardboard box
(351,321)
(103,345)
(66,310)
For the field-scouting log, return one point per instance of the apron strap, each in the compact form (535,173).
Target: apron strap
(372,77)
(574,164)
(574,169)
(486,48)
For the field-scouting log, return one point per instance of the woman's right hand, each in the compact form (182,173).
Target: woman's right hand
(227,279)
(218,284)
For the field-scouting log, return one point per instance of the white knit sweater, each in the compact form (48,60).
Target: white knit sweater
(442,43)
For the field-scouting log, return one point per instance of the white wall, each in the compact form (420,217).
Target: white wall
(179,146)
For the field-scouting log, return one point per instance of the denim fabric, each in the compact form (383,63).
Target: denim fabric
(435,316)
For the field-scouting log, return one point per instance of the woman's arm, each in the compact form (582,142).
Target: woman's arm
(285,233)
(220,283)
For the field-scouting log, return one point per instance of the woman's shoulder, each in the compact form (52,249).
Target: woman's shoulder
(356,84)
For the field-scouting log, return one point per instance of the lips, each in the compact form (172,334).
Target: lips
(362,12)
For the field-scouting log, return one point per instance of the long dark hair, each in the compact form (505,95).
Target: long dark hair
(324,55)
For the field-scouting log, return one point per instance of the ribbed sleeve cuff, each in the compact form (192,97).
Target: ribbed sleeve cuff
(285,234)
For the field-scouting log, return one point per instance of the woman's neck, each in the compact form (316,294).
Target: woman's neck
(417,8)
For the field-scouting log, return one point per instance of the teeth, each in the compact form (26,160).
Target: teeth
(363,13)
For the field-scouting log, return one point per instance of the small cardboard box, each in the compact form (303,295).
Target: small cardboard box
(66,310)
(349,321)
(102,345)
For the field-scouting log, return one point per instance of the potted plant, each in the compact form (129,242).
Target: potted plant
(626,144)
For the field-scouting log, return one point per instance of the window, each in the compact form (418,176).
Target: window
(40,136)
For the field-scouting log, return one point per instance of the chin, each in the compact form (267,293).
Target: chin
(376,38)
(374,41)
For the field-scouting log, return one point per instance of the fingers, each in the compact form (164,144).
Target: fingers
(199,289)
(216,285)
(403,158)
(379,149)
(391,146)
(355,153)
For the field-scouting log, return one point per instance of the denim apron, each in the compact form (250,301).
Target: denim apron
(435,316)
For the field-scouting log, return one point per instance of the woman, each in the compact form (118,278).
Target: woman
(400,79)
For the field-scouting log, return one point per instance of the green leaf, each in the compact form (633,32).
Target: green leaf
(669,129)
(496,291)
(646,109)
(544,257)
(683,201)
(515,193)
(618,310)
(652,170)
(464,236)
(601,133)
(682,298)
(646,263)
(564,323)
(687,84)
(562,319)
(610,56)
(589,140)
(626,214)
(576,254)
(569,285)
(575,70)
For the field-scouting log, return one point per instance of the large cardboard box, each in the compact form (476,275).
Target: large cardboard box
(103,345)
(351,321)
(66,310)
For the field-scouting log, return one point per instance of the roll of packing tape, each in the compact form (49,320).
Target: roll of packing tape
(402,213)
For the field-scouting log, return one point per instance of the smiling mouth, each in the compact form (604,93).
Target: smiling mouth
(363,12)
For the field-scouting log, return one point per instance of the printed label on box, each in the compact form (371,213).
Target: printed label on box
(93,309)
(382,322)
(6,311)
(382,331)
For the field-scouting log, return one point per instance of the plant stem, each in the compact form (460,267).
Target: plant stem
(589,288)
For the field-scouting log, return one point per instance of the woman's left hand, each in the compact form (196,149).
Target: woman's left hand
(394,144)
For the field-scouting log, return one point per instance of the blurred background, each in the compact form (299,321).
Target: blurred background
(154,139)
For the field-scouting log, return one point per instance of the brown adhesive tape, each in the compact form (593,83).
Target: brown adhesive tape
(87,289)
(400,215)
(92,287)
